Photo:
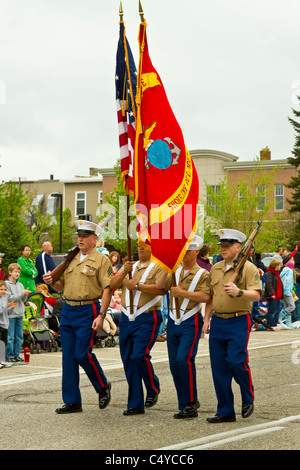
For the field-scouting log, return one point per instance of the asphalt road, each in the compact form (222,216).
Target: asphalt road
(30,393)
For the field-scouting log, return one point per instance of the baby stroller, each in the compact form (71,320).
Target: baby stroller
(115,314)
(105,337)
(259,315)
(54,306)
(36,330)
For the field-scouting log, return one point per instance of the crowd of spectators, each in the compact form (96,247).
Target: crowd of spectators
(280,290)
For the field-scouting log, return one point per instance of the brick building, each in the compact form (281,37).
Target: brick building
(83,194)
(282,173)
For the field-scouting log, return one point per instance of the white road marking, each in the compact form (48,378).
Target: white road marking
(235,438)
(118,365)
(215,440)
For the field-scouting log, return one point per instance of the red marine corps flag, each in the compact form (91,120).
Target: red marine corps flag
(166,181)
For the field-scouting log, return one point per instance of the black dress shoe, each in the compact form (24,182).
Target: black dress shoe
(220,419)
(151,401)
(247,409)
(69,408)
(189,411)
(133,411)
(104,396)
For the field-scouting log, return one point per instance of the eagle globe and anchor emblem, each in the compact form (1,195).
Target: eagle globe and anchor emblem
(161,153)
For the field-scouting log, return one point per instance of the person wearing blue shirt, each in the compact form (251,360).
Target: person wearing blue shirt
(44,263)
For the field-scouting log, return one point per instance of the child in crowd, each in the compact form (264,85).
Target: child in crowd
(287,278)
(15,293)
(116,301)
(43,289)
(4,322)
(273,292)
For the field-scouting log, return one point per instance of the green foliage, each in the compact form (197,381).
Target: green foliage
(21,223)
(68,232)
(115,233)
(13,231)
(37,232)
(241,206)
(294,184)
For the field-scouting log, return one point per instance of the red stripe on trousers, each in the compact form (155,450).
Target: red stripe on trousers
(148,351)
(246,350)
(189,358)
(89,354)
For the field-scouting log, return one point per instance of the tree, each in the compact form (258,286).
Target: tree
(13,231)
(241,206)
(116,232)
(68,231)
(295,161)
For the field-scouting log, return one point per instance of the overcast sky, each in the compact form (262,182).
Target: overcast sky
(231,70)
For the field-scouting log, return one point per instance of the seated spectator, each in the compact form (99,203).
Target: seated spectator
(115,303)
(43,288)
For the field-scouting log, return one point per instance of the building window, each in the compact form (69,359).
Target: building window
(260,197)
(100,197)
(38,201)
(52,204)
(242,193)
(213,195)
(278,197)
(80,203)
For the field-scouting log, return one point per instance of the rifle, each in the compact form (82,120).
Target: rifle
(58,271)
(239,262)
(262,321)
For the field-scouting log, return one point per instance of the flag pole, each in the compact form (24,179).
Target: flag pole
(176,298)
(129,253)
(121,14)
(141,11)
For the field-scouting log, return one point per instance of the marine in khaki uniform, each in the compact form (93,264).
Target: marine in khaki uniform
(183,333)
(139,329)
(85,281)
(229,323)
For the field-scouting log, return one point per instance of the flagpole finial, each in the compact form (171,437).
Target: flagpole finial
(121,11)
(141,11)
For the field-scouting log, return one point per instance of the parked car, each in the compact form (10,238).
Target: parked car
(266,258)
(58,258)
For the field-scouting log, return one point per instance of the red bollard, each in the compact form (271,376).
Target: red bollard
(26,354)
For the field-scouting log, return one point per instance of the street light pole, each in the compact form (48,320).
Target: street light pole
(60,227)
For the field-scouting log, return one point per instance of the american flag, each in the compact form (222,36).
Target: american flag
(126,82)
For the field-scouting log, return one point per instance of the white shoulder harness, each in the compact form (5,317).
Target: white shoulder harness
(183,315)
(136,299)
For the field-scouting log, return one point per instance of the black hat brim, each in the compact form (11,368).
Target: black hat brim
(228,241)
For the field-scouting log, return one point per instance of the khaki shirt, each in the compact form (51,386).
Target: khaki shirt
(222,302)
(185,281)
(86,279)
(151,279)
